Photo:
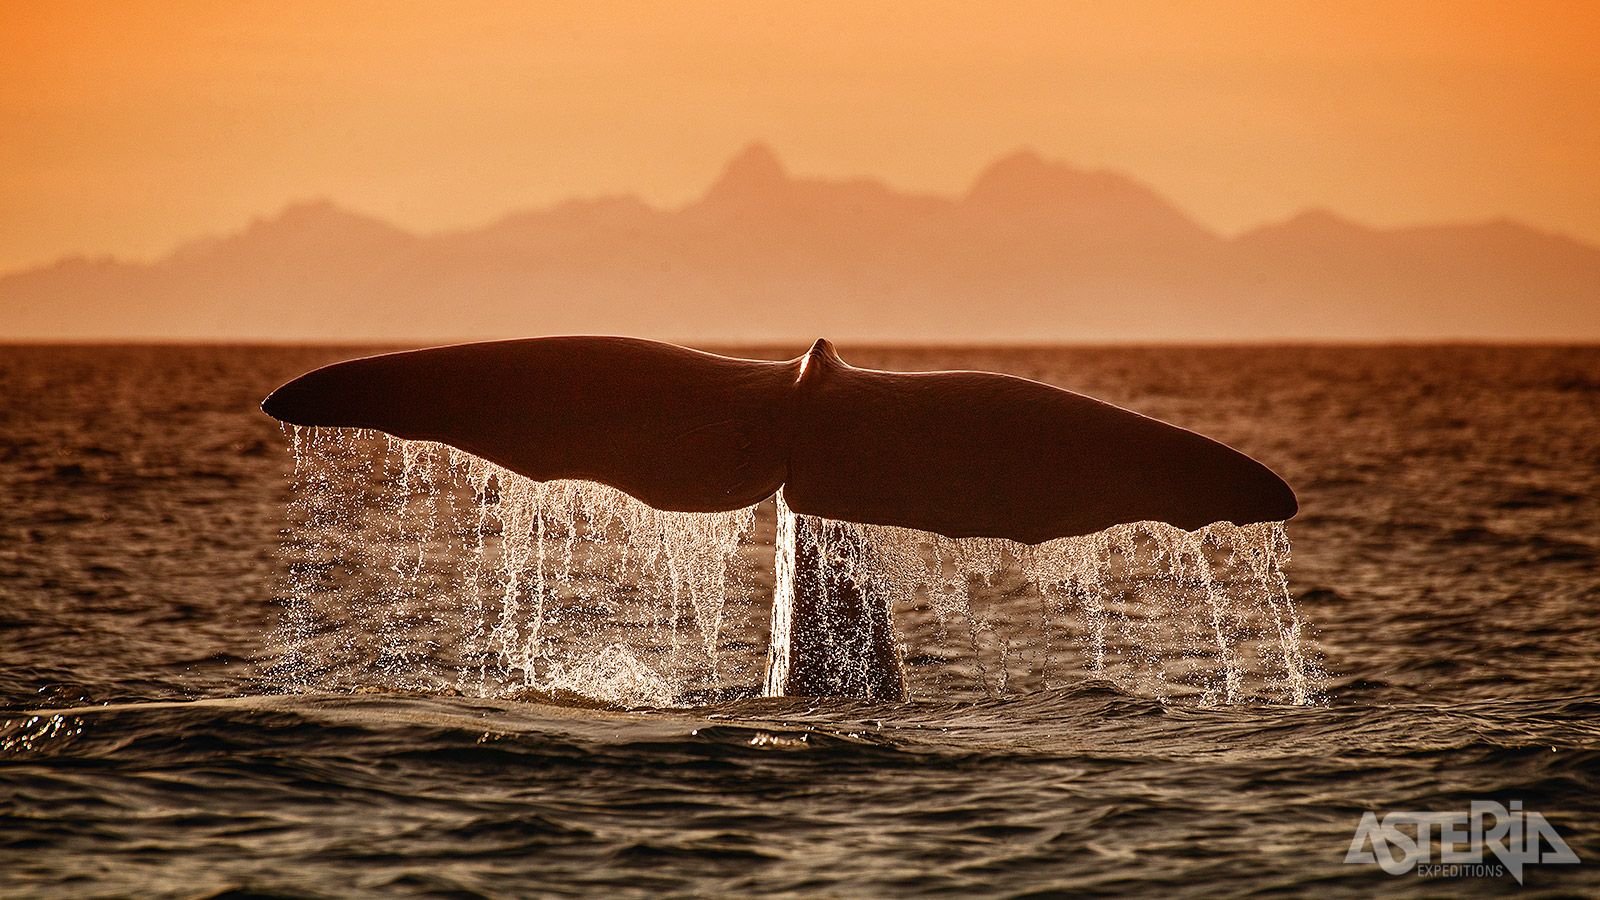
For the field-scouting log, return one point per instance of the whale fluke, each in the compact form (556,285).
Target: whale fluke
(977,454)
(964,454)
(678,429)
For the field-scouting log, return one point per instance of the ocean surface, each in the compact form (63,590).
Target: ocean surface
(243,661)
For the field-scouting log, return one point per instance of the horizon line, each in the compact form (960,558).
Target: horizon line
(775,343)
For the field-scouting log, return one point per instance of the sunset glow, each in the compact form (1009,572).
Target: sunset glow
(133,127)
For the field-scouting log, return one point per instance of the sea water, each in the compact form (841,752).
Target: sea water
(206,692)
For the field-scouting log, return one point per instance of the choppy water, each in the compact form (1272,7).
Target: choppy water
(1446,569)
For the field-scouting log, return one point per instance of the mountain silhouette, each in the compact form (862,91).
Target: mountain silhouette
(1035,251)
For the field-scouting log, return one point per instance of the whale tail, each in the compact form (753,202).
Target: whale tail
(963,454)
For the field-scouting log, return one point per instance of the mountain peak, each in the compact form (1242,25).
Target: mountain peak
(320,213)
(1314,225)
(1320,219)
(1025,171)
(755,169)
(1024,187)
(307,225)
(756,162)
(1020,163)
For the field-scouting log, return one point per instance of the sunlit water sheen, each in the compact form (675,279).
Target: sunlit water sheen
(166,575)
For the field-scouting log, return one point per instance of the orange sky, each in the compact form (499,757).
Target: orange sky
(129,127)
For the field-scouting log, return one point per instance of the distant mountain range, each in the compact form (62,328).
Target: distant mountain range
(1036,251)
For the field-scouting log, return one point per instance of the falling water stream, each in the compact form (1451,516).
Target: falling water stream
(415,566)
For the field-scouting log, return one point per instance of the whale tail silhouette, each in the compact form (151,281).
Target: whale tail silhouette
(964,454)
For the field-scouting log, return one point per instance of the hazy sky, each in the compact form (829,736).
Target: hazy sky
(129,127)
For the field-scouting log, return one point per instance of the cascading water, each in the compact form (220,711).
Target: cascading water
(411,565)
(414,565)
(832,629)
